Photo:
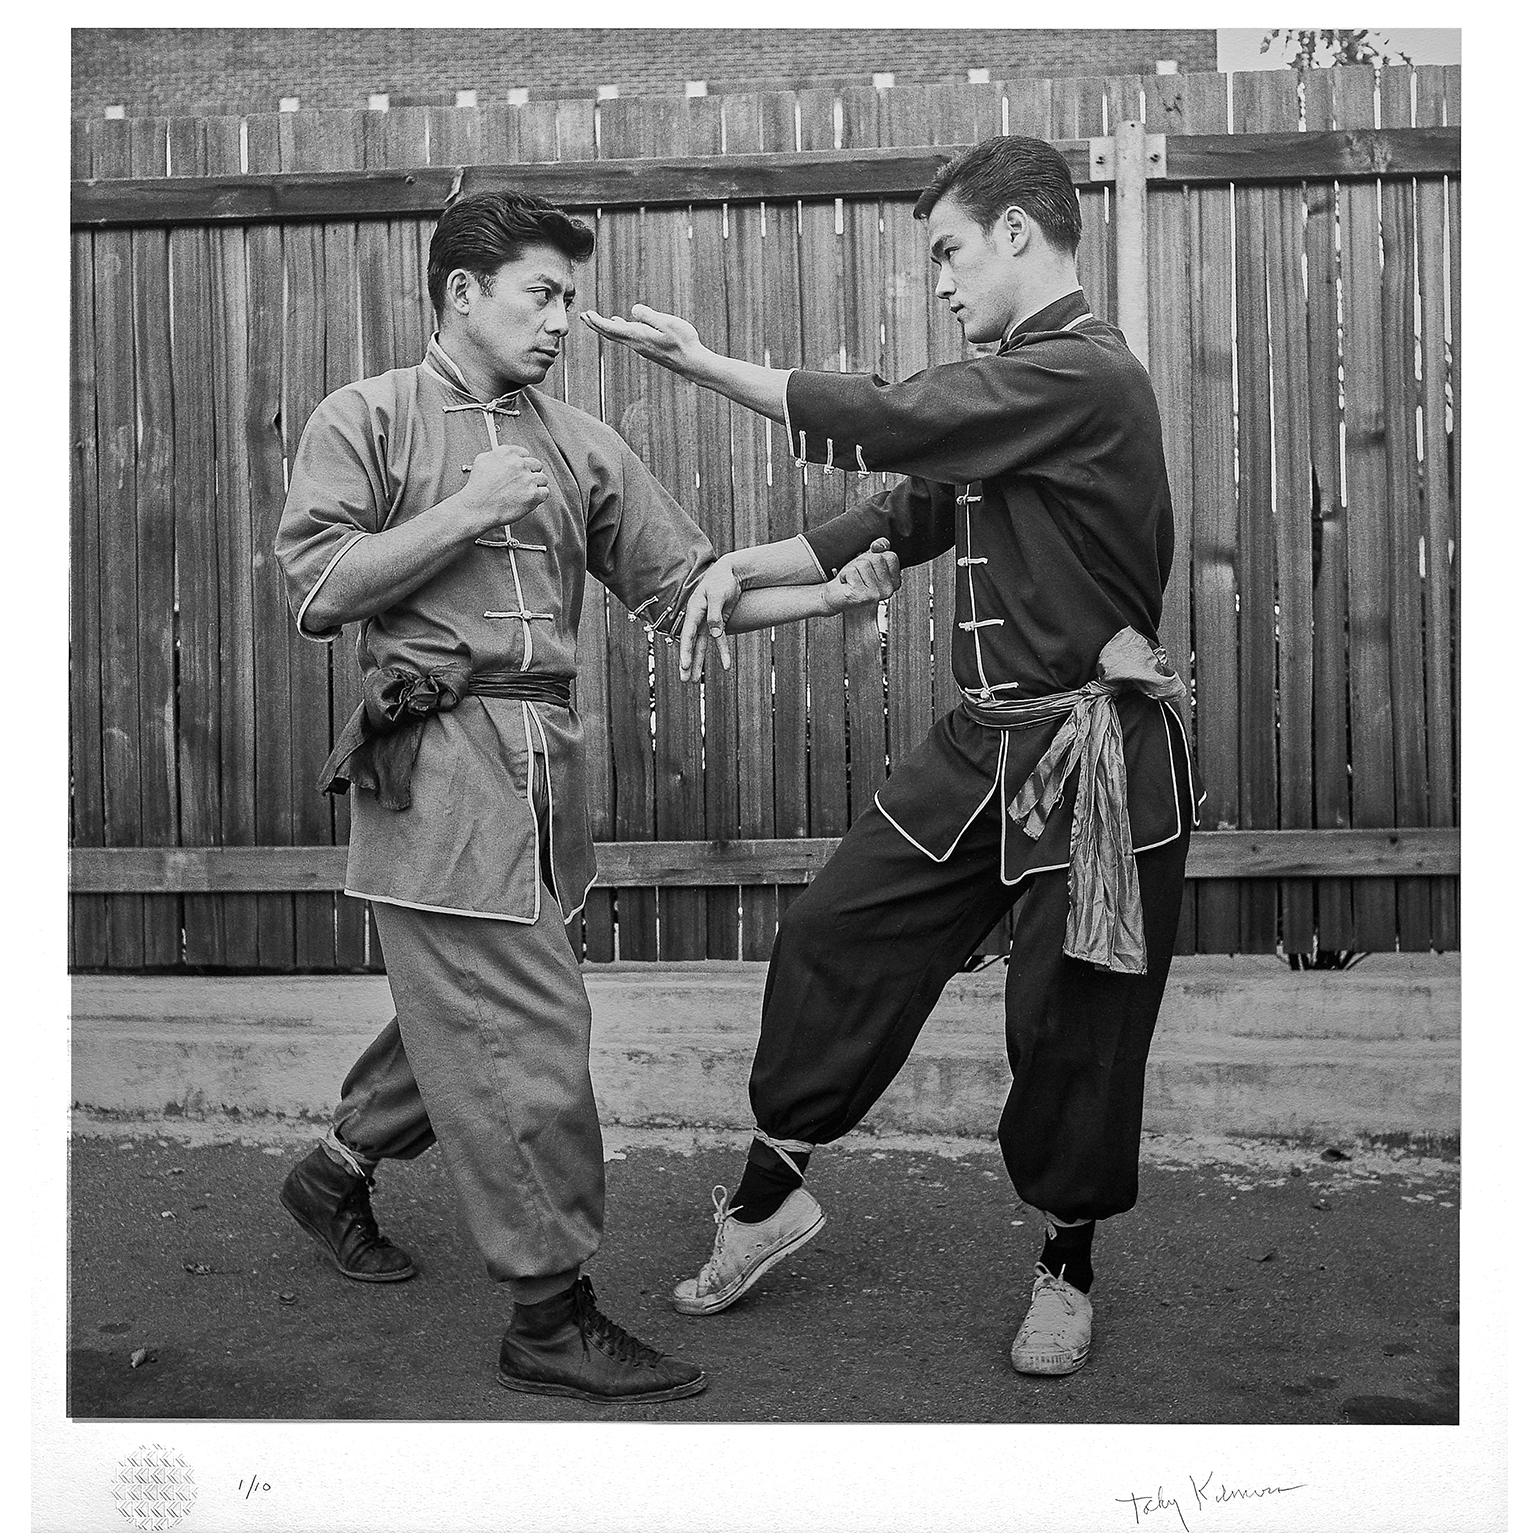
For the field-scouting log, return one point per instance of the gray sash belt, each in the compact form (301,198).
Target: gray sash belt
(1104,922)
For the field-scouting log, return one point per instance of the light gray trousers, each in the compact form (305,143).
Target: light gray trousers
(488,1054)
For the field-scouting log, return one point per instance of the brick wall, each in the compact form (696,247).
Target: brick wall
(154,71)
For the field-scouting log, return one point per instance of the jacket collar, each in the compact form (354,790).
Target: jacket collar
(438,361)
(1056,316)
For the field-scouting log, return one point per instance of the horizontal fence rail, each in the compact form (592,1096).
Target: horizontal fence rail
(1282,249)
(664,182)
(758,861)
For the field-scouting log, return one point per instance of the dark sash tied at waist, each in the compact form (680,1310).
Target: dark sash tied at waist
(377,748)
(1104,921)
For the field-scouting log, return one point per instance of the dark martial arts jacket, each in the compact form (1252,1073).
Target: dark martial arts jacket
(380,452)
(1042,467)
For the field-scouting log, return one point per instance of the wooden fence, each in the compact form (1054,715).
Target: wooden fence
(1283,250)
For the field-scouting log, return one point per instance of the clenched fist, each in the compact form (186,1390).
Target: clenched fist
(505,483)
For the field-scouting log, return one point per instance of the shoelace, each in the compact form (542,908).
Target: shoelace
(722,1213)
(356,1204)
(1057,1294)
(607,1335)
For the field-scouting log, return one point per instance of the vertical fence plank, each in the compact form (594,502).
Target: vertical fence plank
(88,941)
(233,548)
(1281,210)
(1371,706)
(1258,791)
(453,135)
(1213,533)
(498,139)
(1440,534)
(402,140)
(1330,553)
(193,428)
(1172,370)
(1124,102)
(156,544)
(722,723)
(117,549)
(1404,511)
(267,429)
(378,264)
(1030,106)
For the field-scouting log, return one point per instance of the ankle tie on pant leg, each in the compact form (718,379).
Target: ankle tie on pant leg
(784,1145)
(344,1154)
(1053,1224)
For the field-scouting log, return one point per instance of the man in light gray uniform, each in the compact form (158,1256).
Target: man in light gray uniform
(453,511)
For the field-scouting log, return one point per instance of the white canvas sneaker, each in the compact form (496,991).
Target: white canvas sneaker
(1054,1337)
(745,1252)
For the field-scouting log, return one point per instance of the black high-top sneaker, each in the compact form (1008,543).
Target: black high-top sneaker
(565,1347)
(331,1203)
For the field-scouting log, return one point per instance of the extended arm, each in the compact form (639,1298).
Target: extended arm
(953,423)
(673,343)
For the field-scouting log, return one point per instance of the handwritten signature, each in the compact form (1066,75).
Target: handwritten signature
(1149,1504)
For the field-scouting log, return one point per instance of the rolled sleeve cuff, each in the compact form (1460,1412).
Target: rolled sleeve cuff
(326,636)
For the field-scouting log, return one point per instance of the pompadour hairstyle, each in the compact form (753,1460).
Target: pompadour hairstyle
(1011,170)
(484,231)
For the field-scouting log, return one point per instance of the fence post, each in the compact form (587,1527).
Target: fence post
(1131,235)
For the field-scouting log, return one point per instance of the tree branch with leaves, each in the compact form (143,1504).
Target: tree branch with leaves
(1319,47)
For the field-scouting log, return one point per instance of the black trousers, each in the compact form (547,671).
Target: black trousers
(862,956)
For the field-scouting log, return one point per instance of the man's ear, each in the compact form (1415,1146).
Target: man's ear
(456,291)
(1020,229)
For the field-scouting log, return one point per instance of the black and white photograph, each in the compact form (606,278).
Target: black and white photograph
(764,738)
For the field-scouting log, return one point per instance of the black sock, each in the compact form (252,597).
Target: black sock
(767,1182)
(1068,1254)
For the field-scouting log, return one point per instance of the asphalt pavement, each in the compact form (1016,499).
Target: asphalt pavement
(1255,1283)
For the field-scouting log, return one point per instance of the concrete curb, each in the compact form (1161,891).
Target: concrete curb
(1245,1047)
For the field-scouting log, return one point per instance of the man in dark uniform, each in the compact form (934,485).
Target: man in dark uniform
(1063,781)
